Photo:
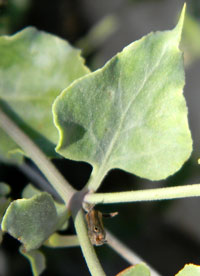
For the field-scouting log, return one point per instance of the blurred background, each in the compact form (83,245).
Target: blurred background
(166,234)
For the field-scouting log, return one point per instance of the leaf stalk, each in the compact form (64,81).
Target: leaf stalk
(145,195)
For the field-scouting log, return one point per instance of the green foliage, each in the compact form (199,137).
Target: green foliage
(136,270)
(36,259)
(189,270)
(131,113)
(12,14)
(29,191)
(32,221)
(34,67)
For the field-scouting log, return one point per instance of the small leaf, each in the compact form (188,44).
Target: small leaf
(30,191)
(34,67)
(31,221)
(130,114)
(189,270)
(36,259)
(63,215)
(4,189)
(135,270)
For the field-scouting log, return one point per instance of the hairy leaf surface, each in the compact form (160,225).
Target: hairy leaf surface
(31,221)
(131,114)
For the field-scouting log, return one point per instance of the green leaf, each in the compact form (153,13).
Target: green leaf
(30,191)
(63,215)
(36,259)
(189,270)
(136,270)
(31,221)
(130,114)
(4,189)
(34,67)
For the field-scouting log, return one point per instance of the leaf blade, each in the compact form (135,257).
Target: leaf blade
(34,67)
(131,113)
(31,221)
(135,270)
(36,259)
(189,270)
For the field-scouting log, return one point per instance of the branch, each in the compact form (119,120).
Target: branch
(86,246)
(59,183)
(144,195)
(57,240)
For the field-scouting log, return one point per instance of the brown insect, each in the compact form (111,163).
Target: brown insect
(96,232)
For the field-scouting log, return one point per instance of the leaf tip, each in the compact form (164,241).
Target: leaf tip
(179,27)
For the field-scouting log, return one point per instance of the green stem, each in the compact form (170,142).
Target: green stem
(86,246)
(96,178)
(59,183)
(57,240)
(144,195)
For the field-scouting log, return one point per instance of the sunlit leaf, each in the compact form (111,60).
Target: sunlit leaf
(136,270)
(130,114)
(189,270)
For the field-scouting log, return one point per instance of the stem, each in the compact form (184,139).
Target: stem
(144,195)
(126,253)
(59,183)
(86,246)
(96,178)
(57,240)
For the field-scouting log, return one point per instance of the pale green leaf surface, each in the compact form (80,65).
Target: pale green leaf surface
(130,114)
(30,191)
(31,221)
(34,68)
(63,215)
(136,270)
(189,270)
(36,259)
